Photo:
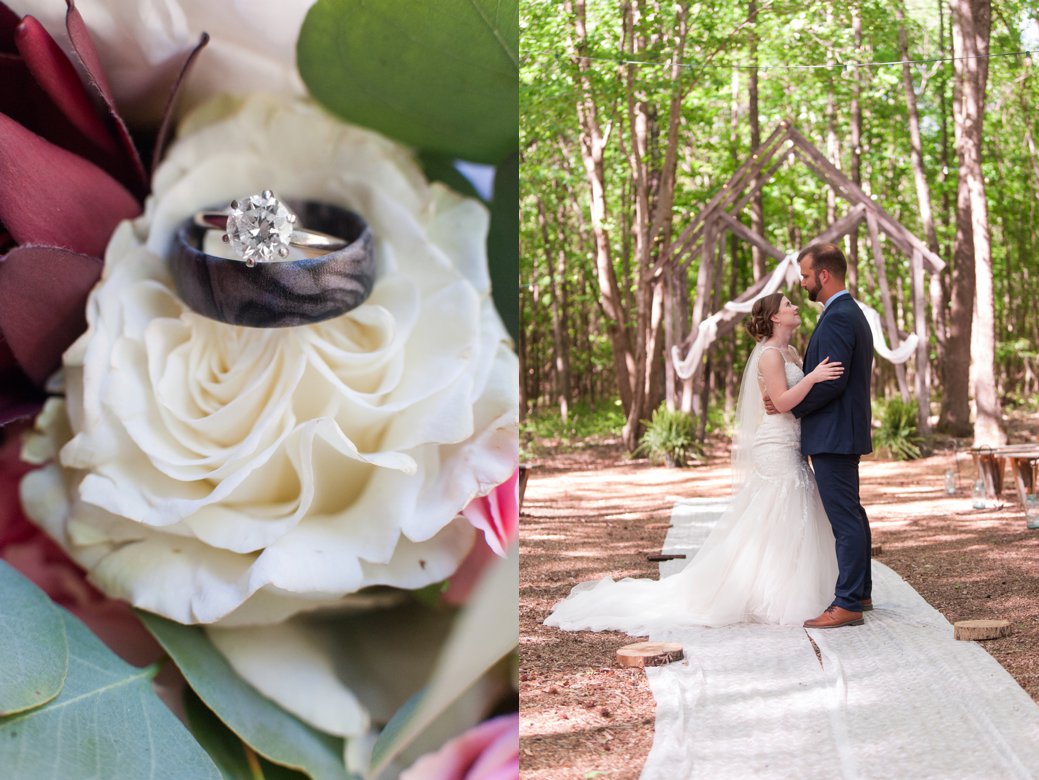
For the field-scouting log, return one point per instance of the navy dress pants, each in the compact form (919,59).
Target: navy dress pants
(838,479)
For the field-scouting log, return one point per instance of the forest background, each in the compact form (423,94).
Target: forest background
(633,114)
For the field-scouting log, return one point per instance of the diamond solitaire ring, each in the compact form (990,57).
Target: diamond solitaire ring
(268,289)
(260,228)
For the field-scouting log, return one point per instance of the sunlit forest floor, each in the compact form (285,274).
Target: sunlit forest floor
(593,512)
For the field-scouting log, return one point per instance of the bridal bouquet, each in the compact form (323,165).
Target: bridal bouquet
(243,552)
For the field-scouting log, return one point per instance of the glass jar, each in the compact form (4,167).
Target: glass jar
(1032,511)
(950,482)
(979,495)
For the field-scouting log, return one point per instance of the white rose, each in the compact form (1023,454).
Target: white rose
(143,43)
(217,473)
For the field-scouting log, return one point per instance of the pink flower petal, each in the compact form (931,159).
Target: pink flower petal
(51,196)
(497,514)
(489,751)
(57,77)
(468,573)
(43,291)
(83,45)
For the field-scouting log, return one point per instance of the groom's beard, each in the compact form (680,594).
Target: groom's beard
(813,293)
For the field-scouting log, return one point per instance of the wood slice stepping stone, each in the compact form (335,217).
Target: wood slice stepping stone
(642,654)
(877,549)
(657,557)
(981,629)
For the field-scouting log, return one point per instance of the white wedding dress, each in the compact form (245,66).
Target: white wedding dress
(769,559)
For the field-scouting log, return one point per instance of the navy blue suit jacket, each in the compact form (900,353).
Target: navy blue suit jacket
(835,416)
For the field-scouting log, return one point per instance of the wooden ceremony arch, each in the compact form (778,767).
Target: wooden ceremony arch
(703,234)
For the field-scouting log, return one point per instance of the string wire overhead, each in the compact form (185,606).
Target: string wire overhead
(811,66)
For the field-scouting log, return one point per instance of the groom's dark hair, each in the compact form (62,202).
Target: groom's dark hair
(828,257)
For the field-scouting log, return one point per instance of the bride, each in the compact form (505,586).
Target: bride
(770,558)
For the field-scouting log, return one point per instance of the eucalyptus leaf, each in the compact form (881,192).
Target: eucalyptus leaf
(107,723)
(442,169)
(440,76)
(263,725)
(503,243)
(228,752)
(34,650)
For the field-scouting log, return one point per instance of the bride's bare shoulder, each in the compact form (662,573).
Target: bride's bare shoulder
(770,359)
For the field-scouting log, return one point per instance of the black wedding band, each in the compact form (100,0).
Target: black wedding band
(283,293)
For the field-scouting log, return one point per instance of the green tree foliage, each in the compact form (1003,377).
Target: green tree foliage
(714,139)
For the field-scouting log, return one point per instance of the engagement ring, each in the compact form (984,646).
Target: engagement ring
(269,290)
(260,228)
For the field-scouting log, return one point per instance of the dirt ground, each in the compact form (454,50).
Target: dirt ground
(594,512)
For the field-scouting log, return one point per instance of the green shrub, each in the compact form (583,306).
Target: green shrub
(670,436)
(586,423)
(898,431)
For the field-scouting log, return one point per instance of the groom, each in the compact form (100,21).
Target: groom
(835,427)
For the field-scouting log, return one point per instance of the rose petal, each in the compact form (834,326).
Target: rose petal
(51,196)
(489,751)
(56,75)
(83,45)
(304,666)
(497,514)
(43,292)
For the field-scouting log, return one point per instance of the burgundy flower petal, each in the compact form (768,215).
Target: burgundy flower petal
(50,196)
(19,398)
(43,293)
(8,22)
(83,45)
(19,406)
(167,114)
(57,76)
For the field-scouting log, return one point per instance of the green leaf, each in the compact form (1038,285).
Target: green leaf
(263,725)
(503,243)
(485,632)
(442,169)
(438,76)
(231,755)
(34,651)
(106,723)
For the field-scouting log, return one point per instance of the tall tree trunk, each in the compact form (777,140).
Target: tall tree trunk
(832,148)
(923,197)
(556,268)
(974,18)
(856,144)
(593,145)
(954,417)
(940,294)
(757,205)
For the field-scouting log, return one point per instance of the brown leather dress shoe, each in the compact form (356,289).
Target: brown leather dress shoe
(867,605)
(835,617)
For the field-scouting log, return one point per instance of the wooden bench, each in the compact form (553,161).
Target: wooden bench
(991,464)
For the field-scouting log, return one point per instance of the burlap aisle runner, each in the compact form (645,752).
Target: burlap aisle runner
(895,698)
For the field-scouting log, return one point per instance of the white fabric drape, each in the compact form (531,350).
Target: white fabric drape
(787,271)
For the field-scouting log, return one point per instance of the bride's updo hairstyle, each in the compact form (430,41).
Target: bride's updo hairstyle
(759,326)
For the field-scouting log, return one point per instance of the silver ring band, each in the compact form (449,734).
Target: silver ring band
(282,293)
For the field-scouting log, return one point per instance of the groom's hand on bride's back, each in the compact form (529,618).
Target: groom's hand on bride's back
(770,408)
